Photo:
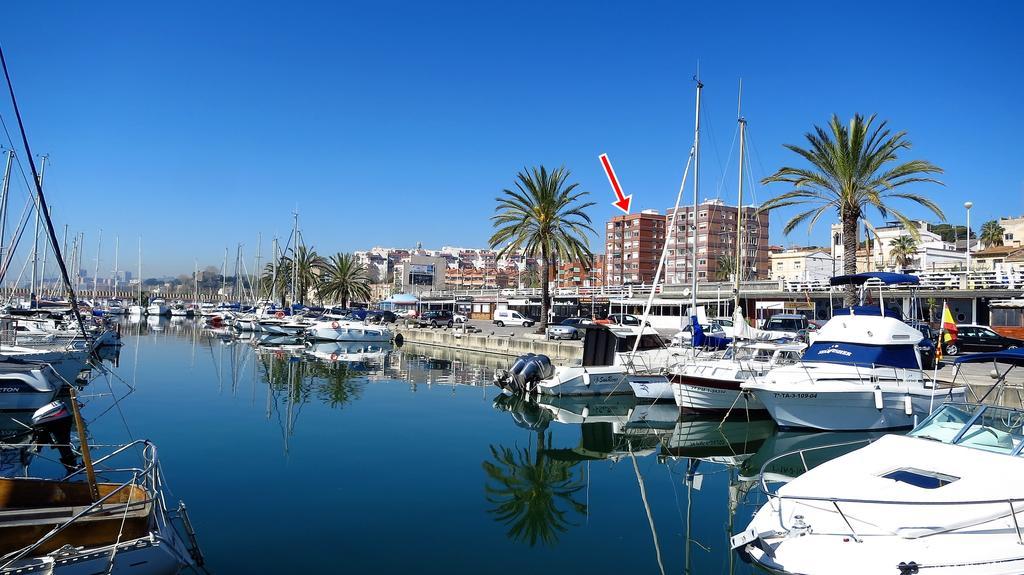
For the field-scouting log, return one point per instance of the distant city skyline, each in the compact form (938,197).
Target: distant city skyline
(405,127)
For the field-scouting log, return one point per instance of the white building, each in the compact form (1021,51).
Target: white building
(802,264)
(1013,231)
(932,252)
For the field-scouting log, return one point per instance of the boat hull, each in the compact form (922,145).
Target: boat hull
(702,394)
(605,380)
(853,409)
(350,333)
(148,555)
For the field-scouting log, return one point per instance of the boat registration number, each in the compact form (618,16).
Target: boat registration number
(801,395)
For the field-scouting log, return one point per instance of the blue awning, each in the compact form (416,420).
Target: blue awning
(1010,356)
(891,355)
(885,277)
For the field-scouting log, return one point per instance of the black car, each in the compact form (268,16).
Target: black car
(972,337)
(926,347)
(435,318)
(381,316)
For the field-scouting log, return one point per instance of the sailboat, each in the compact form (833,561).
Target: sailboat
(137,310)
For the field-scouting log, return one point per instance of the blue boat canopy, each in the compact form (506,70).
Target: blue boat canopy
(868,310)
(900,355)
(1010,356)
(888,278)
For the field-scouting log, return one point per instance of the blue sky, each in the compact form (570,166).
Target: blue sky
(199,125)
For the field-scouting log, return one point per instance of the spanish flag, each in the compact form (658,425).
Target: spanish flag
(948,325)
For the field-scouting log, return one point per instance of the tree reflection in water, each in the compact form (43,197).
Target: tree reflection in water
(533,495)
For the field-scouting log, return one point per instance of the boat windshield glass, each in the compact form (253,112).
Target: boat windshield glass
(647,341)
(990,428)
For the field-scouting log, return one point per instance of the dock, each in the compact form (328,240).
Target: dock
(502,344)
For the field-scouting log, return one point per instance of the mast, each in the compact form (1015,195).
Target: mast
(35,239)
(739,205)
(195,279)
(96,275)
(140,271)
(117,248)
(224,275)
(273,270)
(696,187)
(3,204)
(256,270)
(295,254)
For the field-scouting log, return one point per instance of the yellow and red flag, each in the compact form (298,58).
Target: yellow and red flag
(948,325)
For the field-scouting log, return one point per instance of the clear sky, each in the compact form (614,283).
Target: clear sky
(198,125)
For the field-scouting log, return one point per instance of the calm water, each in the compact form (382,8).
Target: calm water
(411,461)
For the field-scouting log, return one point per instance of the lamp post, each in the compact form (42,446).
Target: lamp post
(968,206)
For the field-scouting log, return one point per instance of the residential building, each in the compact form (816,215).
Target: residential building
(633,244)
(995,257)
(1013,231)
(575,274)
(715,226)
(810,264)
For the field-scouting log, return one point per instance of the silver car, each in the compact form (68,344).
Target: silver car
(571,328)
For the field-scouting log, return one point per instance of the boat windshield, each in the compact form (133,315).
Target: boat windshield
(892,355)
(986,427)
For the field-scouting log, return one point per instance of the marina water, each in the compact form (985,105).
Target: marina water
(411,460)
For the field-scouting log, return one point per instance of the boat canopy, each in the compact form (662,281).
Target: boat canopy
(1013,356)
(887,278)
(894,312)
(901,356)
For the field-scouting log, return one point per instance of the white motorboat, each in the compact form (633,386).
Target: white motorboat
(159,307)
(944,499)
(348,352)
(862,372)
(27,385)
(283,326)
(336,329)
(607,366)
(136,310)
(68,361)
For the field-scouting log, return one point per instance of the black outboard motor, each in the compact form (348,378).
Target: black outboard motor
(51,425)
(505,378)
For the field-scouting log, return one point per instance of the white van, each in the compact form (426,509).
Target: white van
(504,317)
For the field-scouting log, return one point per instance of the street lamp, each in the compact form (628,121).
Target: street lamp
(968,205)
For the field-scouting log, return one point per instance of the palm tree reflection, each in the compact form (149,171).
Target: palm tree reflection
(532,494)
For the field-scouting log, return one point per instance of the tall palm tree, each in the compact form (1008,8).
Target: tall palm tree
(344,279)
(852,168)
(726,267)
(902,250)
(543,216)
(992,234)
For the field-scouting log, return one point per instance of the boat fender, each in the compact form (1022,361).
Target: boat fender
(334,357)
(908,406)
(878,399)
(334,324)
(908,568)
(586,411)
(279,314)
(399,340)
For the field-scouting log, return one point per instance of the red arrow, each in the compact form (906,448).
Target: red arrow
(622,202)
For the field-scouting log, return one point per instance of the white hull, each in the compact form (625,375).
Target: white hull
(349,331)
(714,396)
(603,380)
(652,390)
(854,407)
(157,309)
(136,310)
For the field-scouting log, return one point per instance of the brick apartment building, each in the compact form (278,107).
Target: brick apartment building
(575,274)
(716,241)
(633,245)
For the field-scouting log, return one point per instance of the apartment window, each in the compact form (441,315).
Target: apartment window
(702,226)
(778,265)
(796,264)
(702,262)
(702,274)
(702,215)
(1007,236)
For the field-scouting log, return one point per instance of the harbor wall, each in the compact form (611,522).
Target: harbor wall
(560,352)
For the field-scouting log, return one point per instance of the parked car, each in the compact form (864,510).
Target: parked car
(569,328)
(381,316)
(625,319)
(459,318)
(926,347)
(503,317)
(973,337)
(787,322)
(435,318)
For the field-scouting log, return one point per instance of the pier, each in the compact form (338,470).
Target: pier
(506,344)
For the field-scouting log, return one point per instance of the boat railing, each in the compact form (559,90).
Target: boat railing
(836,501)
(148,476)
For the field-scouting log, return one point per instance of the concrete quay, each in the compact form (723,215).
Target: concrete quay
(502,344)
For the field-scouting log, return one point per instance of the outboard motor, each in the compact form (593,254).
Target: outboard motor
(525,372)
(51,425)
(506,378)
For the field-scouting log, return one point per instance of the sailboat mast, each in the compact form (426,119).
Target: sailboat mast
(117,250)
(295,254)
(224,275)
(3,204)
(195,279)
(739,204)
(273,270)
(96,275)
(256,270)
(696,187)
(140,270)
(35,239)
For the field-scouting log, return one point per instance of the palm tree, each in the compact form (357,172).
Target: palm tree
(344,279)
(544,216)
(308,266)
(852,168)
(902,250)
(992,234)
(726,267)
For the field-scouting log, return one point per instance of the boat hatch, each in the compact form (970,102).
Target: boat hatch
(920,478)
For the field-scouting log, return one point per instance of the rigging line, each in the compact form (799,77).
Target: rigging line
(710,131)
(728,159)
(43,209)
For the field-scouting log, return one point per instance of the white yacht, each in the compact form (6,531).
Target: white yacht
(158,306)
(347,329)
(862,372)
(27,385)
(944,499)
